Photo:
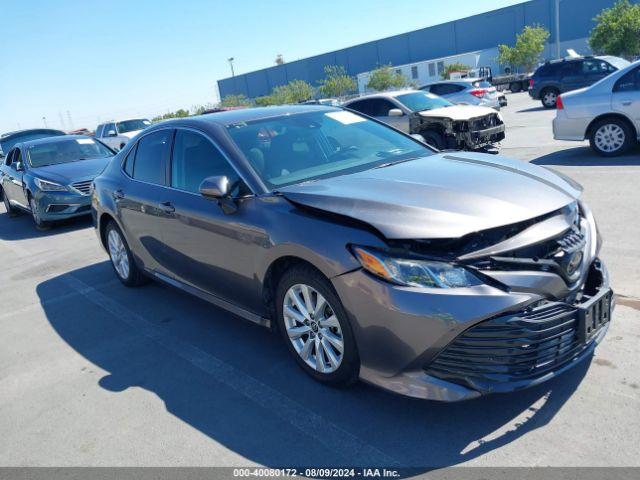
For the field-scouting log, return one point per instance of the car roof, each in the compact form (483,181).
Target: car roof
(47,140)
(230,117)
(16,133)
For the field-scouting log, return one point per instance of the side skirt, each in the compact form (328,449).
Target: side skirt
(217,301)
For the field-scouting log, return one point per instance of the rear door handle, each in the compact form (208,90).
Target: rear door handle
(627,103)
(118,194)
(167,207)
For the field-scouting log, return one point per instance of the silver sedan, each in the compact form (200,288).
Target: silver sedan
(607,113)
(466,91)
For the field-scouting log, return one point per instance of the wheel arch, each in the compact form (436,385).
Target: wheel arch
(610,115)
(103,221)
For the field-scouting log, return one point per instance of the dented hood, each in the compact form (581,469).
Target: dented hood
(447,195)
(458,112)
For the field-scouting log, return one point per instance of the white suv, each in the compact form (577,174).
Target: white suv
(117,134)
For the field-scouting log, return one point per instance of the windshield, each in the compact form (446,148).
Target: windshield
(418,101)
(66,151)
(132,125)
(8,143)
(617,62)
(309,146)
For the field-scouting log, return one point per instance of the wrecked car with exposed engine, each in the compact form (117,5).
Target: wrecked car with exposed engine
(438,275)
(442,124)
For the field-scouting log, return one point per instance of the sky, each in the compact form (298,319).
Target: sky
(96,61)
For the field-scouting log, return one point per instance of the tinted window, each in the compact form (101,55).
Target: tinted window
(374,107)
(99,131)
(152,155)
(194,159)
(445,88)
(128,162)
(132,125)
(109,127)
(570,69)
(629,82)
(595,67)
(546,71)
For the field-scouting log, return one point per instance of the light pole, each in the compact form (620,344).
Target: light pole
(230,60)
(44,119)
(557,28)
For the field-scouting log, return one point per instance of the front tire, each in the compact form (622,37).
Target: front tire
(12,212)
(611,137)
(515,87)
(121,258)
(36,215)
(549,97)
(314,325)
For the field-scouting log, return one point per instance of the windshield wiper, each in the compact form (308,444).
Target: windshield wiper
(388,164)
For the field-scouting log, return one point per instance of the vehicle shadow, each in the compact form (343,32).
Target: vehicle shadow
(532,109)
(585,157)
(235,383)
(22,227)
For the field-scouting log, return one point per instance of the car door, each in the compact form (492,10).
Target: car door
(140,195)
(208,248)
(594,70)
(13,183)
(382,107)
(625,97)
(110,135)
(571,76)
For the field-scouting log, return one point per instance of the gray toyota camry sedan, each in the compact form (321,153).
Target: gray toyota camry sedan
(436,275)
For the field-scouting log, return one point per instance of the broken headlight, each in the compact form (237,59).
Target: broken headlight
(411,272)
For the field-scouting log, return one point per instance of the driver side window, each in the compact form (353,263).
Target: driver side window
(629,82)
(196,158)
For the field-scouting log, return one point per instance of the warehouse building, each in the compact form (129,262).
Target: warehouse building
(422,54)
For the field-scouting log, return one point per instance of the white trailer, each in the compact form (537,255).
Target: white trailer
(427,71)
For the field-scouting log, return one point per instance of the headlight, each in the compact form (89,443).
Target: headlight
(414,273)
(46,186)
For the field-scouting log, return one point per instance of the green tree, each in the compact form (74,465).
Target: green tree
(337,82)
(526,52)
(181,113)
(295,91)
(617,31)
(383,78)
(454,67)
(235,101)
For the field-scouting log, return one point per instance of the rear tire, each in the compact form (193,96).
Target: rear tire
(12,212)
(611,137)
(515,87)
(434,139)
(321,340)
(122,259)
(549,97)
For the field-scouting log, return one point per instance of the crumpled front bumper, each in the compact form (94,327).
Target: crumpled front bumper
(401,331)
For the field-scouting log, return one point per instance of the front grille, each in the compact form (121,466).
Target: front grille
(83,187)
(516,347)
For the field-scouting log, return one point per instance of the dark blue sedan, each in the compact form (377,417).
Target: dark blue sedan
(51,178)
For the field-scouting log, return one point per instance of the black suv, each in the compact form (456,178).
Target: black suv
(558,76)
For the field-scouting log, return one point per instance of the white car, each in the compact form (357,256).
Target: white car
(470,91)
(116,134)
(442,124)
(607,113)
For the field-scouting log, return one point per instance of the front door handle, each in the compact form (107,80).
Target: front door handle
(167,207)
(118,195)
(627,103)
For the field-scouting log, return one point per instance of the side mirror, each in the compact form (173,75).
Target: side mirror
(18,166)
(418,137)
(112,133)
(395,112)
(215,187)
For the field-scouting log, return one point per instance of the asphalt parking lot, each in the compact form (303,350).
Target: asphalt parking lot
(95,374)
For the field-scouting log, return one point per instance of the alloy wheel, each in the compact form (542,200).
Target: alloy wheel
(313,328)
(118,254)
(609,138)
(550,98)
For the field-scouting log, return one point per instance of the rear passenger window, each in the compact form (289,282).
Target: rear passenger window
(128,162)
(196,158)
(152,156)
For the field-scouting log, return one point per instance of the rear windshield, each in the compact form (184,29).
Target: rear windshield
(65,151)
(132,125)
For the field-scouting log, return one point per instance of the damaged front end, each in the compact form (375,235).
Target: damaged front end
(476,133)
(555,259)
